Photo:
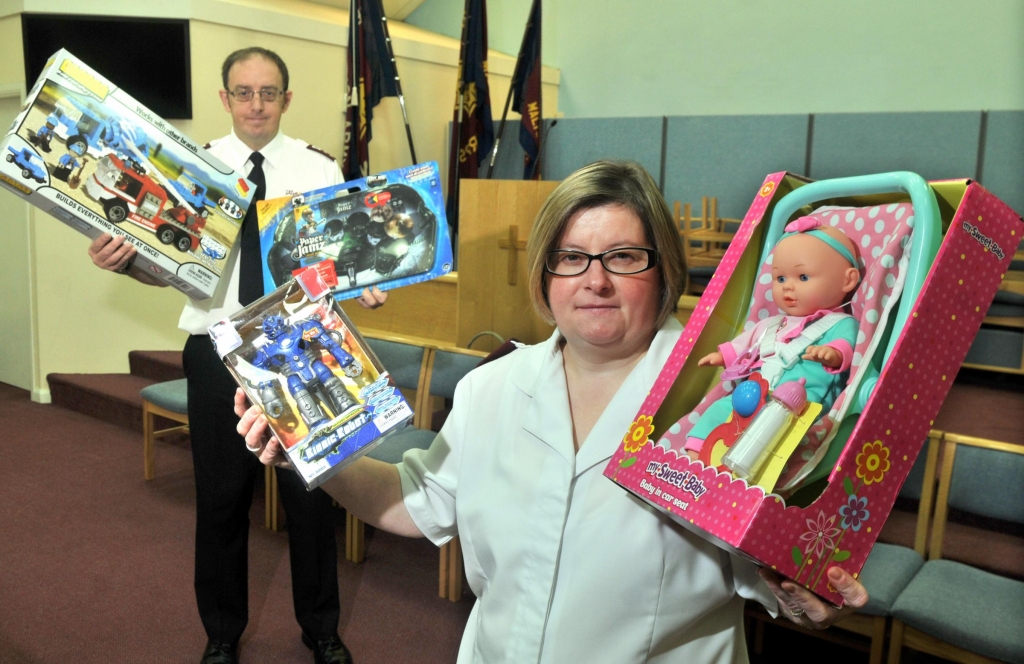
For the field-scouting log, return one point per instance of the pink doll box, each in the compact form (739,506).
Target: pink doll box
(840,526)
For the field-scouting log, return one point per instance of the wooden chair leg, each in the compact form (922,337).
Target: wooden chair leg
(877,640)
(272,500)
(895,641)
(355,539)
(450,578)
(148,461)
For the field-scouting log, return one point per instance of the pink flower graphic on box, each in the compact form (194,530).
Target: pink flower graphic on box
(820,535)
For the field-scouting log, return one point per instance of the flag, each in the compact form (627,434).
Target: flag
(473,131)
(371,77)
(526,97)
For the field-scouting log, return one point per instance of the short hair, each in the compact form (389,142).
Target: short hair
(624,183)
(254,51)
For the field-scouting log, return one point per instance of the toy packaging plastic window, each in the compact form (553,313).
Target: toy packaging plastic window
(325,394)
(387,230)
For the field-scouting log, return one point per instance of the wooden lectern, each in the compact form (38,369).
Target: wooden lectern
(495,219)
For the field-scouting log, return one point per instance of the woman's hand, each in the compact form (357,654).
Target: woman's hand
(372,298)
(252,425)
(808,610)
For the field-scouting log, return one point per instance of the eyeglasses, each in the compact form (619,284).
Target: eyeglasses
(266,94)
(624,260)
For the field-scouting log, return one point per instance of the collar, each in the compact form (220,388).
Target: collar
(794,325)
(272,152)
(539,374)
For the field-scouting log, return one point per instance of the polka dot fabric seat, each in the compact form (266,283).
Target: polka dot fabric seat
(883,235)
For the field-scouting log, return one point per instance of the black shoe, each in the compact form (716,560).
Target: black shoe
(328,651)
(220,653)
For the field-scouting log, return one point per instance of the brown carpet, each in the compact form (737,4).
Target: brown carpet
(97,563)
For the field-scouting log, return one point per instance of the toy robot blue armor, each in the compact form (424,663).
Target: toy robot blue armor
(309,380)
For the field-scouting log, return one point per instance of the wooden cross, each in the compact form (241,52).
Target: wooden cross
(513,244)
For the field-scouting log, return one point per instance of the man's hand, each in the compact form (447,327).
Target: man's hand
(806,609)
(111,253)
(372,298)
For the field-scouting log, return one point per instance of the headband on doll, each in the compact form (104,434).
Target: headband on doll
(810,226)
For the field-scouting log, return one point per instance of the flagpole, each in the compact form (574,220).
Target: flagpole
(398,81)
(460,95)
(511,88)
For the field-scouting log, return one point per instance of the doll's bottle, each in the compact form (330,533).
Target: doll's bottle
(748,454)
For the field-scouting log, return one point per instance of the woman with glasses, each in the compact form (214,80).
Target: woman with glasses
(567,566)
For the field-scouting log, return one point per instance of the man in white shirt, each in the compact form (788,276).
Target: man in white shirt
(256,94)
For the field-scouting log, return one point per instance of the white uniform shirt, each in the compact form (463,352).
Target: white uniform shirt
(290,166)
(569,567)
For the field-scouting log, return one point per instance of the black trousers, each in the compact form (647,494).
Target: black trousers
(225,477)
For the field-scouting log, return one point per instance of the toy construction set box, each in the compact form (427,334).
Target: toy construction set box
(387,230)
(299,358)
(783,429)
(87,153)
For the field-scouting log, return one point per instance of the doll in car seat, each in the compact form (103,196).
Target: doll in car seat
(815,269)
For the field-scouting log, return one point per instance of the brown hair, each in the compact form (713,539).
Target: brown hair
(253,51)
(624,183)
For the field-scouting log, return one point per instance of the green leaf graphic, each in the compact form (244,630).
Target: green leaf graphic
(840,556)
(848,485)
(798,557)
(626,463)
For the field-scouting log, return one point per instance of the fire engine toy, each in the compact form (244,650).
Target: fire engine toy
(300,360)
(93,157)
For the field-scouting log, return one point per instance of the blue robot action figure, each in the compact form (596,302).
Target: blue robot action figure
(309,380)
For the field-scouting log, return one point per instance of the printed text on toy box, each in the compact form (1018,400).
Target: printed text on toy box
(682,479)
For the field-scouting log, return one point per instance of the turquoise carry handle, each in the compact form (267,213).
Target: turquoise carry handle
(924,240)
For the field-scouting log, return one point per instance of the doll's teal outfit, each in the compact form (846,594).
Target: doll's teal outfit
(774,347)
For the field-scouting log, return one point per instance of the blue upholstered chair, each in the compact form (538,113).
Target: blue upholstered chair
(447,369)
(168,400)
(950,609)
(888,569)
(408,366)
(433,373)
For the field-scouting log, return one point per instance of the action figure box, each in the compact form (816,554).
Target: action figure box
(386,230)
(84,151)
(299,358)
(833,489)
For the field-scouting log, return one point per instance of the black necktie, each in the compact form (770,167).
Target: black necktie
(250,272)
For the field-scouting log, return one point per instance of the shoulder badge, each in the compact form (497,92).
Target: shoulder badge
(319,151)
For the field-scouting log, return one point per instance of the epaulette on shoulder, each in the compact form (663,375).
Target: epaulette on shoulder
(319,151)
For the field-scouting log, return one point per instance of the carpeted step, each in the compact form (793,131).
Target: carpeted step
(156,365)
(112,398)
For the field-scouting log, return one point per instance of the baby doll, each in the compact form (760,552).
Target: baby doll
(814,270)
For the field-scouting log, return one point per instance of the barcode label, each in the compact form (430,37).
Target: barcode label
(180,283)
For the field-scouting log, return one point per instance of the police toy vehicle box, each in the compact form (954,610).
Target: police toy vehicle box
(299,358)
(387,230)
(87,153)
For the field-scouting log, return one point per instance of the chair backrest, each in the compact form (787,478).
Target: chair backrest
(920,486)
(405,362)
(981,477)
(448,368)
